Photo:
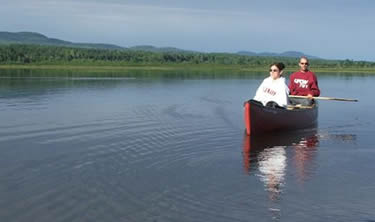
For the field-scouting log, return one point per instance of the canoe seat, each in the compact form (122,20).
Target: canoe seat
(299,106)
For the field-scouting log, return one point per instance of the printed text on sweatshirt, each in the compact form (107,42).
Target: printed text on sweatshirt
(304,83)
(273,90)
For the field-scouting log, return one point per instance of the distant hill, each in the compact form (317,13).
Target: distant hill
(39,39)
(293,54)
(150,48)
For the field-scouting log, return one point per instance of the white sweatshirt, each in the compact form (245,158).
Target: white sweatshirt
(273,90)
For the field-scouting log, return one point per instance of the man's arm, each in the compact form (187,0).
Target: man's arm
(290,85)
(314,88)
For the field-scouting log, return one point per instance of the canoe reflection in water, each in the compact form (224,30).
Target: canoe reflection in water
(266,157)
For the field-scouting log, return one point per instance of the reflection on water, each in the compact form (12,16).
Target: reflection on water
(345,138)
(266,156)
(269,157)
(253,146)
(304,155)
(120,72)
(272,164)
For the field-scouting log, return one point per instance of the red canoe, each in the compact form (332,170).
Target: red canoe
(260,119)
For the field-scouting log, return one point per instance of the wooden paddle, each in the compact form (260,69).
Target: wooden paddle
(325,98)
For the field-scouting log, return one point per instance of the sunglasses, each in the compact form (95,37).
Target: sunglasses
(274,70)
(304,63)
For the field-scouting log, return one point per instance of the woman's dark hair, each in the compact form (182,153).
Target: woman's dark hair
(279,65)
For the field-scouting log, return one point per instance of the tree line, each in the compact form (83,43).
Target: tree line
(39,54)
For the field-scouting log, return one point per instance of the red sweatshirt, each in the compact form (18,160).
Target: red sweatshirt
(303,83)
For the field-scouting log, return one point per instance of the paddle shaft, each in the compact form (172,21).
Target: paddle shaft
(325,98)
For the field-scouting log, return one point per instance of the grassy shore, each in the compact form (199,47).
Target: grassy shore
(180,67)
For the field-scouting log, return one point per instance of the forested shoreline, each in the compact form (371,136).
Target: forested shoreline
(18,54)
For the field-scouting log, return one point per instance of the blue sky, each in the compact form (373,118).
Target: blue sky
(332,29)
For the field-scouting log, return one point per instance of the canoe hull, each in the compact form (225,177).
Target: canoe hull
(260,119)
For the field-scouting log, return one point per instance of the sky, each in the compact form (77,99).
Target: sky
(330,29)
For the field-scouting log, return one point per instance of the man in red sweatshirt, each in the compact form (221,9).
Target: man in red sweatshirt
(303,82)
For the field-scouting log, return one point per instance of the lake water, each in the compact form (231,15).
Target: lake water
(172,148)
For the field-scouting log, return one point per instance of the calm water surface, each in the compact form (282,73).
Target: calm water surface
(174,149)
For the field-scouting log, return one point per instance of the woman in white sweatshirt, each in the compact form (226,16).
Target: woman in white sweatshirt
(273,88)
